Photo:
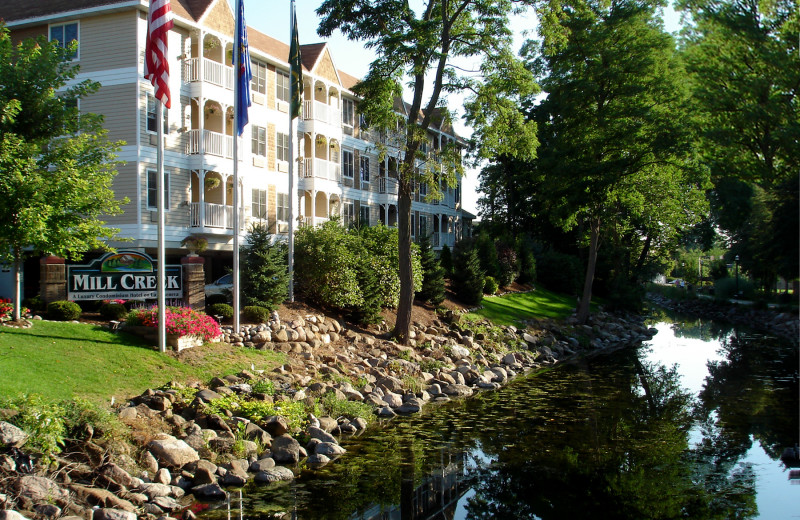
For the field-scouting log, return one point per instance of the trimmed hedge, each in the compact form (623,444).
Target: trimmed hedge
(256,314)
(220,309)
(63,310)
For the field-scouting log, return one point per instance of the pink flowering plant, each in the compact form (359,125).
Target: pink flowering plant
(179,320)
(7,309)
(119,301)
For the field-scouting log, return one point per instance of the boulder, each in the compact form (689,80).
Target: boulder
(40,489)
(276,426)
(275,474)
(262,465)
(329,449)
(209,492)
(322,435)
(171,451)
(11,515)
(113,514)
(11,436)
(457,390)
(285,449)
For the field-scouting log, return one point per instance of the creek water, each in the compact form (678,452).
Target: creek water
(690,425)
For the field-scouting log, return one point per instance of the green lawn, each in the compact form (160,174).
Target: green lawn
(65,360)
(511,309)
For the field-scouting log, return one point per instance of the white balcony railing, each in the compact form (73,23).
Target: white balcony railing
(318,111)
(322,169)
(216,215)
(213,72)
(214,143)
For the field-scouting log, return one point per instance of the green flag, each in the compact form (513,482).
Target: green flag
(297,72)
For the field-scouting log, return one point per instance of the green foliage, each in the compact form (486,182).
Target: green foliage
(431,366)
(294,412)
(484,245)
(56,164)
(256,314)
(432,289)
(507,264)
(446,260)
(63,310)
(34,303)
(264,386)
(468,277)
(220,309)
(113,311)
(526,265)
(211,299)
(265,275)
(50,423)
(343,408)
(354,270)
(559,272)
(490,285)
(725,289)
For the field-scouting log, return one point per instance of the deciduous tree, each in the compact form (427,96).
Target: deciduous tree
(56,165)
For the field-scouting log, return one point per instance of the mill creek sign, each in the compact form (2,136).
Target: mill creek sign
(125,275)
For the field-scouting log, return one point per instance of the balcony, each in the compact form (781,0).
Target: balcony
(387,185)
(324,113)
(214,143)
(322,169)
(216,215)
(213,72)
(313,221)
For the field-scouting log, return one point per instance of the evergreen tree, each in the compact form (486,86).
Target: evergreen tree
(468,277)
(265,277)
(446,261)
(432,274)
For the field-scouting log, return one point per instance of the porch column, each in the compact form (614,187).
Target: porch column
(201,103)
(201,175)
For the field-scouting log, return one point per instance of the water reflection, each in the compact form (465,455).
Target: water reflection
(620,436)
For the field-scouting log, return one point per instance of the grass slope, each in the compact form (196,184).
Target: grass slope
(511,309)
(65,360)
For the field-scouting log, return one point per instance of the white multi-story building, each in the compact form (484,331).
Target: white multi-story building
(338,170)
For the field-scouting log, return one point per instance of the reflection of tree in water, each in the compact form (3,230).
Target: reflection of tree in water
(752,394)
(611,443)
(691,327)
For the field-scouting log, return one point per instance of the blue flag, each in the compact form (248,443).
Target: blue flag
(244,75)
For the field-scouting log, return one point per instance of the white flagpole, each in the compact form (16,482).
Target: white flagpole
(162,260)
(291,169)
(237,58)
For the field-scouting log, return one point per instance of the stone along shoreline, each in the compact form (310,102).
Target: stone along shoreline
(191,443)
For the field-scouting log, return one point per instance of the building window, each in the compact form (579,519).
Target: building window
(364,167)
(259,207)
(347,164)
(348,213)
(152,191)
(151,115)
(423,225)
(65,34)
(259,138)
(283,147)
(283,207)
(348,112)
(363,215)
(282,85)
(458,195)
(259,82)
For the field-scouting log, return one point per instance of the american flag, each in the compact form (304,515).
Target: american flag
(156,68)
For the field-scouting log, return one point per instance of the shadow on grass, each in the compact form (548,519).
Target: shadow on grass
(124,338)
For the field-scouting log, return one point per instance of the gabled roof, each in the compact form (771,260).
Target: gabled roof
(13,10)
(311,53)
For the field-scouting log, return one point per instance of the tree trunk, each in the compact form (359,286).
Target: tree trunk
(403,323)
(17,284)
(642,257)
(583,306)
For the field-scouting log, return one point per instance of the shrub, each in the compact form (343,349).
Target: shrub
(507,263)
(265,275)
(34,303)
(725,289)
(490,285)
(468,278)
(527,267)
(343,408)
(211,299)
(484,246)
(256,314)
(264,386)
(179,320)
(220,309)
(63,310)
(559,272)
(113,311)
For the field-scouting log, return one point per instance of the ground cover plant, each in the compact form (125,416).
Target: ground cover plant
(65,360)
